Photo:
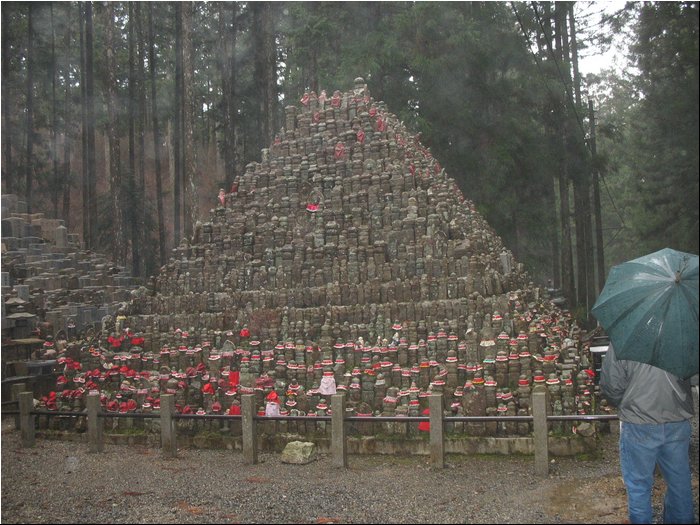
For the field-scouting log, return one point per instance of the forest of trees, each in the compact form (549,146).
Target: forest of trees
(124,118)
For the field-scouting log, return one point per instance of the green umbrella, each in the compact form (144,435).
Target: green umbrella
(649,308)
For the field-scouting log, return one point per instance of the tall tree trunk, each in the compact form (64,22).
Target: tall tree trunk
(581,241)
(257,9)
(573,155)
(576,159)
(580,158)
(227,70)
(29,159)
(116,185)
(177,127)
(553,130)
(8,169)
(65,205)
(190,164)
(588,231)
(131,211)
(544,37)
(271,77)
(567,274)
(84,128)
(141,139)
(54,121)
(600,253)
(156,138)
(222,65)
(574,53)
(205,117)
(265,70)
(554,243)
(65,213)
(568,285)
(91,172)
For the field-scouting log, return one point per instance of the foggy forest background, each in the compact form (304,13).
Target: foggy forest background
(125,118)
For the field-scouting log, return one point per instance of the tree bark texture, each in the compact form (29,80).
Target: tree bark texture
(117,239)
(190,164)
(157,139)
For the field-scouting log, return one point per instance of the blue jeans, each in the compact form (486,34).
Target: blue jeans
(641,448)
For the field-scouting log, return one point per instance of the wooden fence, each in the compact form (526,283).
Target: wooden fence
(25,421)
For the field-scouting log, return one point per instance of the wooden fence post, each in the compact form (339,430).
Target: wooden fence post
(250,443)
(339,447)
(437,436)
(26,419)
(540,431)
(95,424)
(16,389)
(168,433)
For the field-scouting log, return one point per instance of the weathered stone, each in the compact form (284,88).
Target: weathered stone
(299,453)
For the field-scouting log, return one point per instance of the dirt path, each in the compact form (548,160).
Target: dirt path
(61,482)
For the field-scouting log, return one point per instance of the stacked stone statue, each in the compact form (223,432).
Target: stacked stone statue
(70,289)
(346,225)
(346,260)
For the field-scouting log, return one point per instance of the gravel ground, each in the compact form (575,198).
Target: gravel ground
(61,482)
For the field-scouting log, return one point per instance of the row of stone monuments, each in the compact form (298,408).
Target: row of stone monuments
(50,280)
(378,379)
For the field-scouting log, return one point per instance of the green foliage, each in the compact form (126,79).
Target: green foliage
(665,134)
(648,137)
(462,74)
(479,112)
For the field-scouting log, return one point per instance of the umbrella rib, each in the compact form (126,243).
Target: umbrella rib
(691,299)
(689,289)
(655,302)
(622,316)
(656,349)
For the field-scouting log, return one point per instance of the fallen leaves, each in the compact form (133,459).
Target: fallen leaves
(190,509)
(256,479)
(322,519)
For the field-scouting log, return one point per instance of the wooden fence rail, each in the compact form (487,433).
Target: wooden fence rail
(339,423)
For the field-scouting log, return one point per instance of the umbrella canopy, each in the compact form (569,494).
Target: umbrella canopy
(649,308)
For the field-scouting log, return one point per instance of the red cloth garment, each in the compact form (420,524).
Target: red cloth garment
(425,425)
(116,342)
(339,150)
(335,99)
(381,126)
